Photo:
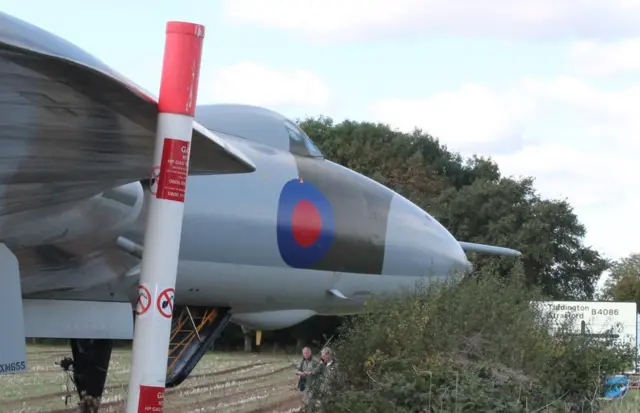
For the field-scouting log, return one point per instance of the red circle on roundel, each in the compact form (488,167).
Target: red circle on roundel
(306,223)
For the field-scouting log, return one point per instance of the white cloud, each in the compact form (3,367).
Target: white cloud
(472,114)
(578,141)
(610,106)
(597,58)
(344,19)
(255,84)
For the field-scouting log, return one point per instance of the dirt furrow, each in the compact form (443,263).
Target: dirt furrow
(110,406)
(288,404)
(227,371)
(114,387)
(227,398)
(238,380)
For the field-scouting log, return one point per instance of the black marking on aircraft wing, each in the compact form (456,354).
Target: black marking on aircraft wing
(361,210)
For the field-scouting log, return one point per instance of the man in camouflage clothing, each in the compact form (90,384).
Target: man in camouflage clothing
(324,377)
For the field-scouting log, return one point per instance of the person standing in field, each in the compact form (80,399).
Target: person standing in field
(329,372)
(307,364)
(324,378)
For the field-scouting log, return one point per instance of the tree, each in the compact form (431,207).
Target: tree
(509,212)
(623,283)
(473,200)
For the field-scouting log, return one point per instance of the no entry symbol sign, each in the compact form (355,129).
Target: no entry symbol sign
(164,302)
(144,300)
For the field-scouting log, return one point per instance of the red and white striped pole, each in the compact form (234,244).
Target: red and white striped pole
(156,291)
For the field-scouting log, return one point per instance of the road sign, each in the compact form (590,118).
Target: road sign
(144,300)
(607,319)
(164,302)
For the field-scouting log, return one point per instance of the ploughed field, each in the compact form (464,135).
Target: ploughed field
(222,382)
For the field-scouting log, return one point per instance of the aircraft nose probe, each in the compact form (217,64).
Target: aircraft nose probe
(488,249)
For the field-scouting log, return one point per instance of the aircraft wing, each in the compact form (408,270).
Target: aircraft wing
(487,249)
(71,127)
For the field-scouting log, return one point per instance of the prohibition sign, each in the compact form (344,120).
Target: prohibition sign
(155,175)
(164,302)
(144,300)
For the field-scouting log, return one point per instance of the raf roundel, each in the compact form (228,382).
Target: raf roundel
(305,224)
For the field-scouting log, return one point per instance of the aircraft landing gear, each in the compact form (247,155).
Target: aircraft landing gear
(90,366)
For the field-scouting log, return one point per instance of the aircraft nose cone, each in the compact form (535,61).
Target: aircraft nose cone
(446,246)
(418,245)
(459,261)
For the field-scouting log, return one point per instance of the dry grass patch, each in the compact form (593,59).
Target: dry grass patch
(225,383)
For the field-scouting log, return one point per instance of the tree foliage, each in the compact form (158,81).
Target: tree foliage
(473,200)
(476,346)
(623,283)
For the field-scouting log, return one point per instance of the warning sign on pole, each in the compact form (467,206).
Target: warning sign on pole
(164,302)
(151,399)
(144,300)
(172,183)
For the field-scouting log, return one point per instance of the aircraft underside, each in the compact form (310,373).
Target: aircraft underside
(193,332)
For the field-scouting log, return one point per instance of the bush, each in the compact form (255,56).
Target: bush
(476,345)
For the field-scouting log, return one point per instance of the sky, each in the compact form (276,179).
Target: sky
(549,89)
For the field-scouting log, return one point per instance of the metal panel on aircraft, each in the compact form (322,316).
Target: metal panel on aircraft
(78,319)
(13,348)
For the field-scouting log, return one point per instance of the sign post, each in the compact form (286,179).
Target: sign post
(176,107)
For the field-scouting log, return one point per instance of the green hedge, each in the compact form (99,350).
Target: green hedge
(475,345)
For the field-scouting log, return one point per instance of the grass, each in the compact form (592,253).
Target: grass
(225,383)
(630,403)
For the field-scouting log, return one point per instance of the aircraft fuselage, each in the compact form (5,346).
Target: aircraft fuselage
(297,228)
(280,238)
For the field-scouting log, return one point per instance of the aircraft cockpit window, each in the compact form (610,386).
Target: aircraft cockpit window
(294,132)
(302,144)
(313,149)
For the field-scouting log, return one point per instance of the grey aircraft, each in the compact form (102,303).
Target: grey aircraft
(273,232)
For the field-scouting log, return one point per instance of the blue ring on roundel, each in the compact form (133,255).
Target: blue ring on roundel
(292,253)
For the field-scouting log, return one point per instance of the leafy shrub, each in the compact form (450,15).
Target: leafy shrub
(475,345)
